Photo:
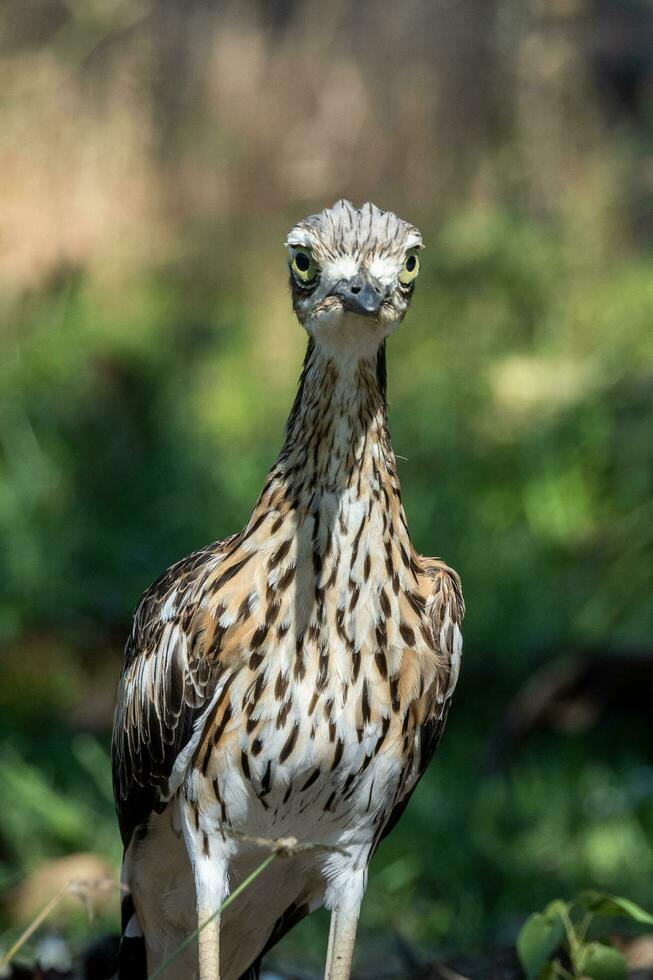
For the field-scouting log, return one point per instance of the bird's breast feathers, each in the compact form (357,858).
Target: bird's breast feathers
(320,735)
(291,679)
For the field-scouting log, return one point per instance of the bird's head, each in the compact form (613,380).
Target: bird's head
(352,276)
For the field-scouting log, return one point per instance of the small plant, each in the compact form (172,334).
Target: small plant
(563,928)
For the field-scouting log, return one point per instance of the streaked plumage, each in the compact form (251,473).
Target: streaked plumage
(293,679)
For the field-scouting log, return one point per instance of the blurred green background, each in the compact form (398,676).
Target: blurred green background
(153,153)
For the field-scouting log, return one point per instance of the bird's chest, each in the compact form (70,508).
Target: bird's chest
(320,738)
(318,729)
(318,777)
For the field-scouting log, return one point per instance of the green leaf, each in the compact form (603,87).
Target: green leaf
(538,939)
(601,962)
(603,904)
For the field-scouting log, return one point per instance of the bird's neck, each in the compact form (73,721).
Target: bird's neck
(337,432)
(337,463)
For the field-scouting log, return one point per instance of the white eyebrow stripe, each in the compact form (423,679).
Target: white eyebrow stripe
(298,236)
(344,267)
(385,268)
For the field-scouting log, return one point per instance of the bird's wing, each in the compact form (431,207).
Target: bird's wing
(174,670)
(446,609)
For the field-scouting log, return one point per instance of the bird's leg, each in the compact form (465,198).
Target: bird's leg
(210,872)
(344,922)
(211,891)
(342,937)
(208,944)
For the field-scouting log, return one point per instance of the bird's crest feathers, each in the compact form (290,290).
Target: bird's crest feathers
(346,230)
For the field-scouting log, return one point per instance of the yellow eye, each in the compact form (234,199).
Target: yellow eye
(410,269)
(303,265)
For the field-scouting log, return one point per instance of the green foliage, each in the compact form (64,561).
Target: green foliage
(44,821)
(540,937)
(612,905)
(601,962)
(564,928)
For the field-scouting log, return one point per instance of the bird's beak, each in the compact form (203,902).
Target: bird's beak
(363,294)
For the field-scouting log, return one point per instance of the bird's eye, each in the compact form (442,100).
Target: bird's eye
(303,265)
(410,269)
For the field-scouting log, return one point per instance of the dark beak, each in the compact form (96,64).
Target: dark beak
(363,294)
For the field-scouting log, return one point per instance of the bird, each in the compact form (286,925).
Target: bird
(289,682)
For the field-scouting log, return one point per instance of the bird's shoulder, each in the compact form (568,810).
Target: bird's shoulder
(444,609)
(445,604)
(178,597)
